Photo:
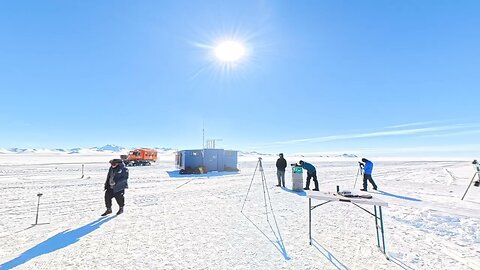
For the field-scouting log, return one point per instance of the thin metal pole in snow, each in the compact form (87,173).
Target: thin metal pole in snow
(83,167)
(38,207)
(473,178)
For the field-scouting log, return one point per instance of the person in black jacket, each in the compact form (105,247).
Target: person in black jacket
(115,185)
(477,165)
(281,165)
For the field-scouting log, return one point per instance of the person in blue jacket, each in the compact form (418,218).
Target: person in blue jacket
(367,167)
(115,185)
(311,173)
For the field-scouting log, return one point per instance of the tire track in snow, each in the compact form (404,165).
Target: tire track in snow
(453,178)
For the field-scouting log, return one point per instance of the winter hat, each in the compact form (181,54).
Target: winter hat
(116,161)
(364,160)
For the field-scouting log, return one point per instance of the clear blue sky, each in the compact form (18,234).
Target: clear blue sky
(366,77)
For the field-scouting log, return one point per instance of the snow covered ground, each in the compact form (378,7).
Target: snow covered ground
(174,221)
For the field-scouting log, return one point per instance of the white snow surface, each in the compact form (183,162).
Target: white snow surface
(174,221)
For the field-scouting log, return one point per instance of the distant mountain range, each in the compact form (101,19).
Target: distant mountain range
(92,150)
(109,148)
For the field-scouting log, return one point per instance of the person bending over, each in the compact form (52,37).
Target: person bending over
(311,173)
(367,167)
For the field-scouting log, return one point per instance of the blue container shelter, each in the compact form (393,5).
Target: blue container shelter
(230,160)
(189,160)
(205,160)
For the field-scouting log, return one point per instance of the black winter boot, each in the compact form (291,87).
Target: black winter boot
(109,211)
(120,211)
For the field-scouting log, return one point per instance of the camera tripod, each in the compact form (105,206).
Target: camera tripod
(359,171)
(278,241)
(266,195)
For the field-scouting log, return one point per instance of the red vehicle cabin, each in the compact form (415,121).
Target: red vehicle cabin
(140,157)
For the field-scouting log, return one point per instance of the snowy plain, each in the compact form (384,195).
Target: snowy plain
(174,221)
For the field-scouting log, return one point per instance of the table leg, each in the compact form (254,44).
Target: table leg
(383,233)
(310,220)
(376,225)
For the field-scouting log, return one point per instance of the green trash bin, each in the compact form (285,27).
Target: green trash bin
(297,178)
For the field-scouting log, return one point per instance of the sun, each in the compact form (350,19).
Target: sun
(230,51)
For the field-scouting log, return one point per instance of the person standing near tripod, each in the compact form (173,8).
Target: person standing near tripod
(367,167)
(281,165)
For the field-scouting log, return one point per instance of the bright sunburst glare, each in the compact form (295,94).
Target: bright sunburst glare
(230,51)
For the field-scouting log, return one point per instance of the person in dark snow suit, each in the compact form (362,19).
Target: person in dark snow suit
(477,166)
(367,167)
(281,165)
(311,173)
(115,185)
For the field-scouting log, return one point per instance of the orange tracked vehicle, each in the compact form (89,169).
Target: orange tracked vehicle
(140,157)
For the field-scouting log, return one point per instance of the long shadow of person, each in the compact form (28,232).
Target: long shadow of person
(55,242)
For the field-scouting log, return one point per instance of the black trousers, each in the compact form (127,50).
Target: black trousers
(109,195)
(370,179)
(310,176)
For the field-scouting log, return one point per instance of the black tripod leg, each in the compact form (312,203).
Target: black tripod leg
(248,191)
(473,178)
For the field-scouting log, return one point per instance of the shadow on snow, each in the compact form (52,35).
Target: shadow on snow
(381,192)
(299,193)
(55,242)
(278,243)
(328,255)
(176,174)
(400,263)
